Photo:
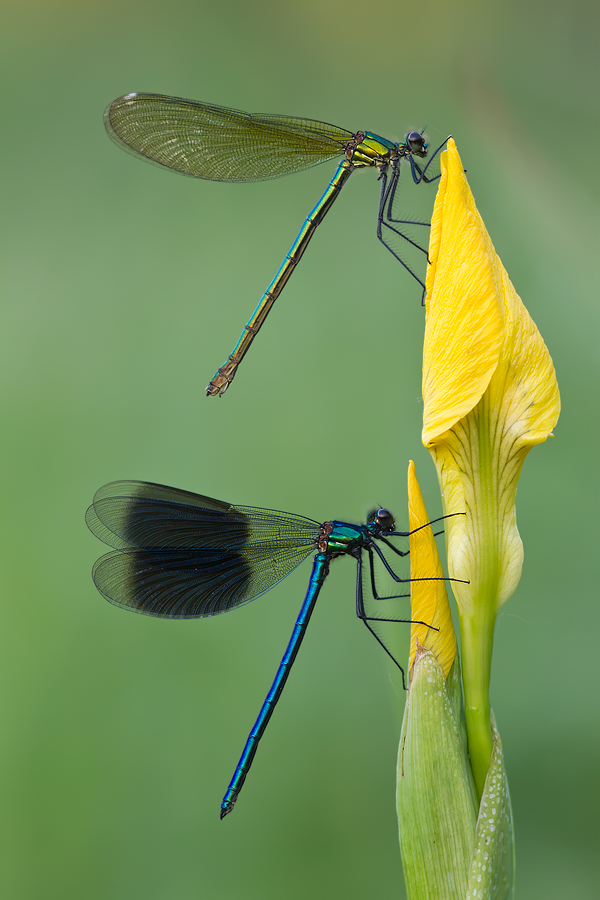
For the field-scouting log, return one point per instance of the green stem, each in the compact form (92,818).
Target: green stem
(476,638)
(479,615)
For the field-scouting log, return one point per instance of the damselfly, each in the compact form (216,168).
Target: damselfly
(220,144)
(180,555)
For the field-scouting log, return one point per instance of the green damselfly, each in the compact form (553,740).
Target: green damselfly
(220,144)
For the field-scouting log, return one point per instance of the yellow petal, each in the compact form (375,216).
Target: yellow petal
(428,599)
(464,332)
(489,391)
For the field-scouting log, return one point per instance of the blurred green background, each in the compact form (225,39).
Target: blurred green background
(124,288)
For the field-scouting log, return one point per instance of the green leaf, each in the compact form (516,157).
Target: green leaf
(437,806)
(492,865)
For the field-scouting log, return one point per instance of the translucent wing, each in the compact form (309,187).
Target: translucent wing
(182,555)
(216,143)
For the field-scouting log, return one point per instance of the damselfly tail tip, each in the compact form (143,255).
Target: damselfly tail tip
(225,810)
(212,389)
(222,379)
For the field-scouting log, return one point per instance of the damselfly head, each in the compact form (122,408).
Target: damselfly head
(416,143)
(384,518)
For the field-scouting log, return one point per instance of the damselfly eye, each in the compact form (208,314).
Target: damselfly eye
(385,519)
(416,142)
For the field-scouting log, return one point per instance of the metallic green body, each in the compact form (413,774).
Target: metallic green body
(375,150)
(371,150)
(345,538)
